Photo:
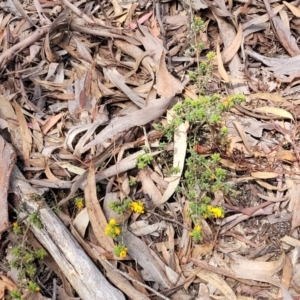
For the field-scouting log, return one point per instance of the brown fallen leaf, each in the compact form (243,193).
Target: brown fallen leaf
(230,51)
(265,175)
(275,111)
(6,284)
(287,273)
(166,84)
(295,10)
(87,87)
(286,155)
(51,122)
(96,215)
(221,68)
(269,96)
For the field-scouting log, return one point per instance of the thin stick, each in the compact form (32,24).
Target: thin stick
(168,219)
(6,56)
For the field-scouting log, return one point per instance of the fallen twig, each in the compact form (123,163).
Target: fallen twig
(6,56)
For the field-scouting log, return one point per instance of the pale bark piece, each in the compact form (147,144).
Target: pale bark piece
(78,268)
(149,187)
(166,84)
(137,118)
(280,66)
(26,138)
(218,282)
(8,158)
(116,78)
(270,268)
(180,146)
(140,252)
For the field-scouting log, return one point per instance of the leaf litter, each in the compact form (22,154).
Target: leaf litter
(83,85)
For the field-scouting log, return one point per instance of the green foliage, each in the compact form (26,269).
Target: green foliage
(79,202)
(203,172)
(197,24)
(17,228)
(144,160)
(33,287)
(35,219)
(162,145)
(132,181)
(24,260)
(173,170)
(16,295)
(205,111)
(203,74)
(40,254)
(121,207)
(196,234)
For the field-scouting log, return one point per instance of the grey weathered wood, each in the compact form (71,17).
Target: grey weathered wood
(78,268)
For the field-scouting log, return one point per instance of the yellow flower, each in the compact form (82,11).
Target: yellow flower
(107,229)
(123,253)
(79,202)
(112,229)
(196,234)
(197,228)
(217,212)
(80,205)
(137,206)
(112,222)
(121,250)
(16,224)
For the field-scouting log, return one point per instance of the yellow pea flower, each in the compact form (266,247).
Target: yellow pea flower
(120,250)
(138,207)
